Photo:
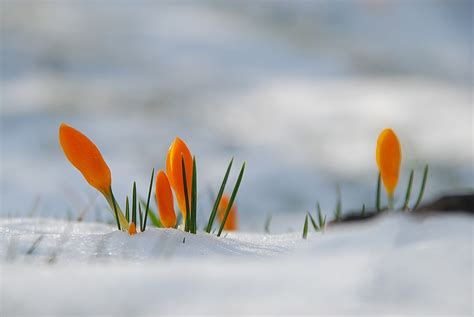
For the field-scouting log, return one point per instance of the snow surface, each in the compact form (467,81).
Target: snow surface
(397,264)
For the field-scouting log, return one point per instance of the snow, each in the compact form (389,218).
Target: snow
(397,264)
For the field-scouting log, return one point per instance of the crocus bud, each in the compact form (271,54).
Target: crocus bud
(389,156)
(178,151)
(164,198)
(86,157)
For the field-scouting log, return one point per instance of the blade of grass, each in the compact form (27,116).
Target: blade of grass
(148,200)
(127,209)
(194,199)
(378,193)
(267,223)
(362,212)
(408,193)
(134,203)
(155,221)
(315,226)
(187,221)
(305,228)
(141,216)
(322,221)
(115,209)
(422,188)
(338,209)
(218,198)
(232,198)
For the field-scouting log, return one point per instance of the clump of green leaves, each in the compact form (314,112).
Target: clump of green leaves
(406,202)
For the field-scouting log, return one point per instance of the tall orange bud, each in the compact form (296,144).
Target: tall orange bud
(231,223)
(174,170)
(389,156)
(164,198)
(86,157)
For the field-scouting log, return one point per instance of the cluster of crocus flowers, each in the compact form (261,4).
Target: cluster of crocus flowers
(178,157)
(389,157)
(180,177)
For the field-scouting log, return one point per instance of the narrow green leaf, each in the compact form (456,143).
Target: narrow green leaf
(232,198)
(320,215)
(267,223)
(127,210)
(305,228)
(408,193)
(194,199)
(218,198)
(378,193)
(422,188)
(134,203)
(154,220)
(362,212)
(315,226)
(140,213)
(187,222)
(115,209)
(148,200)
(338,209)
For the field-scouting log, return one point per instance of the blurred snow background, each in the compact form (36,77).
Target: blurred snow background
(298,89)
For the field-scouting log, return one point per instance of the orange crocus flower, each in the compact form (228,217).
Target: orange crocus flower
(231,223)
(132,229)
(86,157)
(164,197)
(389,156)
(174,170)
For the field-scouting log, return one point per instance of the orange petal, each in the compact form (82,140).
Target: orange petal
(174,170)
(389,157)
(86,157)
(231,223)
(132,229)
(164,198)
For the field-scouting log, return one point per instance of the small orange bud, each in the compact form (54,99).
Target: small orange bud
(164,197)
(389,156)
(86,157)
(231,223)
(132,229)
(174,170)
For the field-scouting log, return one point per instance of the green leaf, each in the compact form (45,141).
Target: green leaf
(422,188)
(194,199)
(232,198)
(115,209)
(408,192)
(338,209)
(315,226)
(134,203)
(362,212)
(305,228)
(154,220)
(141,216)
(148,200)
(218,198)
(378,194)
(127,210)
(187,224)
(267,223)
